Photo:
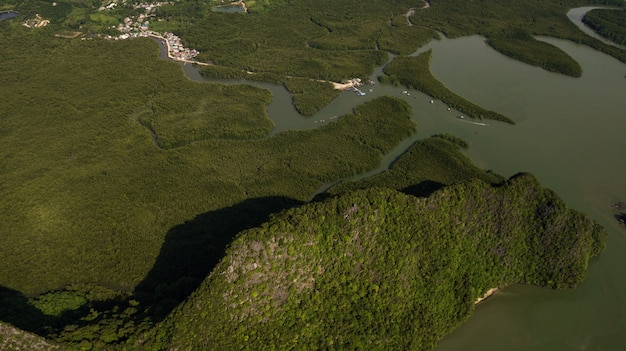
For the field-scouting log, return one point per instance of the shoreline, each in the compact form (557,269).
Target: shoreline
(486,295)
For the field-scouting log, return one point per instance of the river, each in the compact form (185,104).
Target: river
(570,133)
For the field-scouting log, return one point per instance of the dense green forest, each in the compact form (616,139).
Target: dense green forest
(123,182)
(455,18)
(610,24)
(428,165)
(80,171)
(380,270)
(333,41)
(521,45)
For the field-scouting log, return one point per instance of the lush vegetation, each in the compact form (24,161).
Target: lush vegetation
(302,39)
(457,18)
(84,317)
(202,115)
(414,72)
(280,39)
(80,172)
(521,45)
(453,139)
(123,182)
(379,270)
(610,24)
(77,15)
(428,165)
(310,96)
(90,196)
(404,40)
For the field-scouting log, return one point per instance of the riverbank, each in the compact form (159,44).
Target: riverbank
(352,83)
(171,53)
(486,295)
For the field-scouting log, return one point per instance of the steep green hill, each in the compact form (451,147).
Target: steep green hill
(377,269)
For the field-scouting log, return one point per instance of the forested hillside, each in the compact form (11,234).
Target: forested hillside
(123,182)
(380,270)
(13,339)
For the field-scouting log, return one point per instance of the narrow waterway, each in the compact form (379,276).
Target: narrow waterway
(576,16)
(570,133)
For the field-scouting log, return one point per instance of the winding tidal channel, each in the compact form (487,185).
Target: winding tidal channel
(570,133)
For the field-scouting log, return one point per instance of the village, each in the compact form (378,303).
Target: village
(137,27)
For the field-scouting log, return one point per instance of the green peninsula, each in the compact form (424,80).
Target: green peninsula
(377,269)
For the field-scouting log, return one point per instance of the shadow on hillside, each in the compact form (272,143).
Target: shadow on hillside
(15,310)
(423,189)
(190,252)
(192,249)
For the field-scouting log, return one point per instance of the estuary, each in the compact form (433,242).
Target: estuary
(570,133)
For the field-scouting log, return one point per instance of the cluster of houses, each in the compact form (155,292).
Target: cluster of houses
(140,27)
(141,23)
(176,50)
(133,26)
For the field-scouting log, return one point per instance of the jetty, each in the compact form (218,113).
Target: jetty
(358,91)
